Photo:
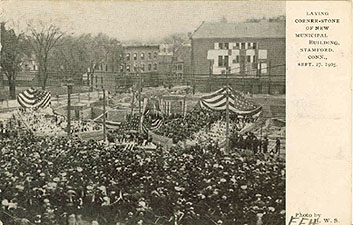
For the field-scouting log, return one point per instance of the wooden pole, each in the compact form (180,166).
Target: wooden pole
(227,113)
(104,119)
(139,99)
(269,77)
(132,100)
(69,90)
(79,91)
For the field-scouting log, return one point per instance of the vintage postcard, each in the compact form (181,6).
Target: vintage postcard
(176,112)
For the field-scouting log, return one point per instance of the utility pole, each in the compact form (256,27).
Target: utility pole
(132,100)
(79,90)
(139,98)
(269,77)
(104,132)
(69,84)
(227,111)
(140,87)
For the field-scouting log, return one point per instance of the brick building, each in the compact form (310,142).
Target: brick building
(251,55)
(143,56)
(142,59)
(121,72)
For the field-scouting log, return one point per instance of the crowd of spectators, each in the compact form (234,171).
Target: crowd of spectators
(43,123)
(179,128)
(55,180)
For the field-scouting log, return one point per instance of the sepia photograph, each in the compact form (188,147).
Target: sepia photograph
(151,112)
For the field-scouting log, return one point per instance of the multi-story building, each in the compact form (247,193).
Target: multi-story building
(144,57)
(139,59)
(250,56)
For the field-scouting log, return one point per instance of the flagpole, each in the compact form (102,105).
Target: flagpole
(139,98)
(227,112)
(104,111)
(132,100)
(69,91)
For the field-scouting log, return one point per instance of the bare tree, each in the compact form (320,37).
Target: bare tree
(176,41)
(12,53)
(43,40)
(101,49)
(70,57)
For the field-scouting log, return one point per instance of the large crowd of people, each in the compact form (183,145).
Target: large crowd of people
(44,123)
(180,128)
(54,180)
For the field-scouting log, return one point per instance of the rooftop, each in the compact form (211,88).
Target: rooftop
(262,29)
(142,46)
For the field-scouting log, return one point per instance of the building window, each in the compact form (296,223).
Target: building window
(135,56)
(142,56)
(128,68)
(155,66)
(220,60)
(223,61)
(180,67)
(253,58)
(226,61)
(149,55)
(223,45)
(236,46)
(128,56)
(242,45)
(143,67)
(155,55)
(254,45)
(248,58)
(106,67)
(121,56)
(121,68)
(149,66)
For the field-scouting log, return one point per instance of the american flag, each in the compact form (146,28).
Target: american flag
(153,117)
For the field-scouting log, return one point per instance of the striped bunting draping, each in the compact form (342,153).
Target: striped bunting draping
(237,102)
(154,115)
(108,123)
(112,124)
(33,98)
(155,124)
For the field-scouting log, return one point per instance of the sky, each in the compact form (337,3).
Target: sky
(138,20)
